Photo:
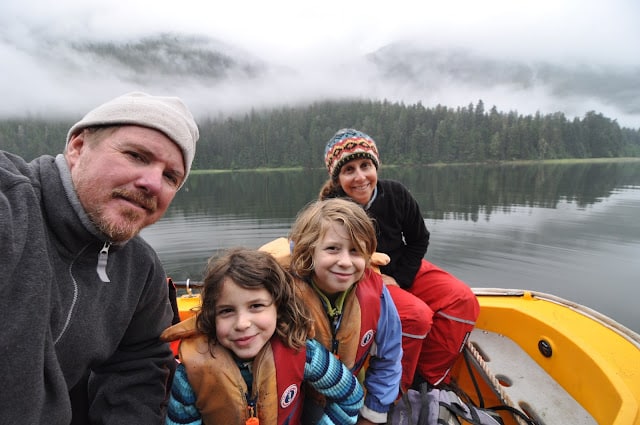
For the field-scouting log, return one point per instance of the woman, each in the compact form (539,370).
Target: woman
(450,307)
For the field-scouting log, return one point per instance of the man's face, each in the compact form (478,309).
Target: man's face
(125,177)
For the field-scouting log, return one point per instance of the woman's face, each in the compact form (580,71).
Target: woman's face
(358,179)
(245,319)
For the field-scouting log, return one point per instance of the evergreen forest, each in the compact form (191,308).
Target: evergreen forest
(405,134)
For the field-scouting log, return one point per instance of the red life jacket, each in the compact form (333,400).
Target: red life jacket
(359,323)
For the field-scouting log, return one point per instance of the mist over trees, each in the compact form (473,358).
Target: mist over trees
(405,134)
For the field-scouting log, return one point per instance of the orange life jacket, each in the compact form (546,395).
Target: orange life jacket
(221,391)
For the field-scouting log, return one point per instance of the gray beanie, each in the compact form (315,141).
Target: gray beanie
(166,114)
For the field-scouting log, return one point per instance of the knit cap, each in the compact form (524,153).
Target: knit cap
(166,114)
(348,144)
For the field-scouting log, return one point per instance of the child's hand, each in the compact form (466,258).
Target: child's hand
(380,259)
(389,281)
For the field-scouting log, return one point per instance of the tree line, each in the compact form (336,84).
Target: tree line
(405,134)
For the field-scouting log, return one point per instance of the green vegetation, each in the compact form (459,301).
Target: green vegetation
(406,135)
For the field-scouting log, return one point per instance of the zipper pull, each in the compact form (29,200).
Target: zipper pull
(336,322)
(334,332)
(251,407)
(102,262)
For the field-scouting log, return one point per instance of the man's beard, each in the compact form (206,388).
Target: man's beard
(129,226)
(117,232)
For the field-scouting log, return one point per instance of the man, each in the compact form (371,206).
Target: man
(83,298)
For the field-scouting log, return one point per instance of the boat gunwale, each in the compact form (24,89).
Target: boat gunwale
(604,320)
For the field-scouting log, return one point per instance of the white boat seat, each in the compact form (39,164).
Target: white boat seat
(531,388)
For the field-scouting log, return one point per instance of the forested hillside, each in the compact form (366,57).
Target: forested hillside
(406,134)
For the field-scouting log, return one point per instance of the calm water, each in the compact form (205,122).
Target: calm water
(569,230)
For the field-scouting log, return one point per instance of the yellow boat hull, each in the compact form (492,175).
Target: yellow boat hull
(595,360)
(589,358)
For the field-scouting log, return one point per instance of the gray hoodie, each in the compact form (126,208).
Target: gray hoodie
(69,336)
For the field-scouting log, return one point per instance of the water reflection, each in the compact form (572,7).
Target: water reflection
(571,230)
(467,192)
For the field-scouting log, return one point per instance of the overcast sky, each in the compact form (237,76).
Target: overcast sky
(313,36)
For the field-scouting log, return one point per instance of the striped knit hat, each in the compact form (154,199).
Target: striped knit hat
(348,144)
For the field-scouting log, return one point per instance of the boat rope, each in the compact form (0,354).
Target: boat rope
(495,383)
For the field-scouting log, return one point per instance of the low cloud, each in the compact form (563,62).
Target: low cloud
(580,55)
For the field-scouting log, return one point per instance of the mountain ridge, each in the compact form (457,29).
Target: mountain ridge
(236,80)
